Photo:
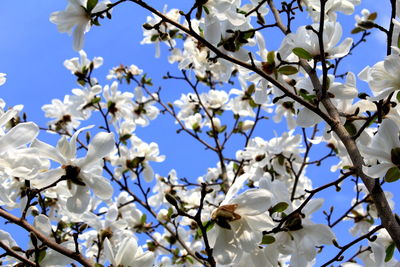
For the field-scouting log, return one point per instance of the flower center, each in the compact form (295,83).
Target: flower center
(225,214)
(72,175)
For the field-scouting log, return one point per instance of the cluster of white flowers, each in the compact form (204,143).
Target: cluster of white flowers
(101,198)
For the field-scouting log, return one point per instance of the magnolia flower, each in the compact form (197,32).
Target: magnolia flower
(143,108)
(128,254)
(152,35)
(122,71)
(239,222)
(303,236)
(337,91)
(8,241)
(383,153)
(52,257)
(138,155)
(360,20)
(331,7)
(214,99)
(307,39)
(383,78)
(119,103)
(76,15)
(66,113)
(82,63)
(80,174)
(225,10)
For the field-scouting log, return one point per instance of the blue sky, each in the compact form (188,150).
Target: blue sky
(32,54)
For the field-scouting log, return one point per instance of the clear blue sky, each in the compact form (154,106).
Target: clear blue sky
(32,54)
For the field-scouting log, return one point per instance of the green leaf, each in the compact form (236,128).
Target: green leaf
(304,94)
(392,175)
(250,90)
(206,10)
(209,224)
(95,100)
(367,24)
(356,30)
(143,219)
(172,33)
(389,252)
(154,37)
(196,127)
(95,22)
(41,255)
(280,207)
(372,16)
(267,239)
(81,82)
(91,4)
(147,26)
(351,128)
(302,53)
(125,137)
(222,129)
(395,156)
(288,70)
(271,57)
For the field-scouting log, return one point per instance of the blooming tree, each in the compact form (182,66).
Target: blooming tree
(94,198)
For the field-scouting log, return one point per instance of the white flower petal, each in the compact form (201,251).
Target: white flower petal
(101,186)
(79,202)
(126,252)
(253,202)
(42,223)
(226,249)
(101,145)
(46,178)
(19,135)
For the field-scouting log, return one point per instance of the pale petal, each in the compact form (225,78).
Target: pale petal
(70,151)
(389,134)
(7,239)
(19,135)
(47,151)
(101,186)
(226,249)
(312,206)
(46,178)
(253,202)
(146,259)
(126,252)
(378,170)
(212,32)
(79,36)
(101,145)
(6,117)
(148,173)
(79,202)
(112,213)
(320,234)
(42,223)
(307,118)
(108,251)
(249,238)
(343,49)
(379,253)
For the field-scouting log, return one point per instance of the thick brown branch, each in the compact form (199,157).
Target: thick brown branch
(46,240)
(14,254)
